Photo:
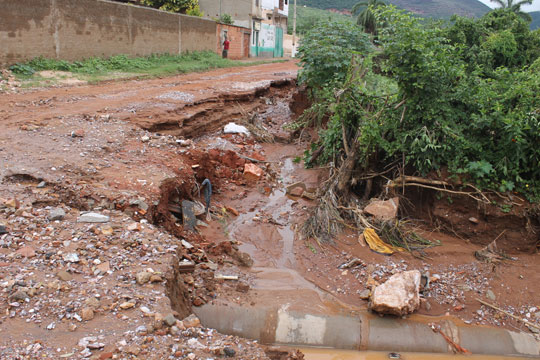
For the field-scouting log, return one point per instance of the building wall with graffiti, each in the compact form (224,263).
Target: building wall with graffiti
(267,42)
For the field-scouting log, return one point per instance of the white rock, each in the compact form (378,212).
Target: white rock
(71,257)
(232,128)
(399,295)
(87,340)
(92,217)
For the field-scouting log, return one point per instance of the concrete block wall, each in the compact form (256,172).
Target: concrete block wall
(78,29)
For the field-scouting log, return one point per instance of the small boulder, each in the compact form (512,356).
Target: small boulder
(399,295)
(143,277)
(87,314)
(252,172)
(56,214)
(170,320)
(191,321)
(383,210)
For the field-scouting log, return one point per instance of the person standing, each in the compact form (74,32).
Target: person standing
(226,45)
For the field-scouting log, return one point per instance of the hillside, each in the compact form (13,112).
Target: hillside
(536,20)
(428,8)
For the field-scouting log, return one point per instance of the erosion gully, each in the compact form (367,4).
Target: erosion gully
(295,299)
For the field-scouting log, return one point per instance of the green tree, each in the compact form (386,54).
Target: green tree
(515,7)
(365,16)
(178,6)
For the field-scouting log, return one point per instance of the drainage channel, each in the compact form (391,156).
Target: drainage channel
(291,311)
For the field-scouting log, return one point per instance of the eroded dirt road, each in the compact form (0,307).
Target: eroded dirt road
(128,151)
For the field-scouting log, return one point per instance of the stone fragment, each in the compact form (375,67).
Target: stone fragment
(107,230)
(399,295)
(491,295)
(92,302)
(12,203)
(229,352)
(364,295)
(92,217)
(41,185)
(77,133)
(155,278)
(56,214)
(473,220)
(27,251)
(170,320)
(133,350)
(71,257)
(19,295)
(134,226)
(127,305)
(143,277)
(191,321)
(64,275)
(383,210)
(87,313)
(252,172)
(297,191)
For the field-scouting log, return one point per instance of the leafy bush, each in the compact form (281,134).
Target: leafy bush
(463,97)
(226,19)
(326,53)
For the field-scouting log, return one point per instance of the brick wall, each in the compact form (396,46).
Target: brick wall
(77,29)
(239,40)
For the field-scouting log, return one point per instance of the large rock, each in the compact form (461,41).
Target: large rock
(383,210)
(399,295)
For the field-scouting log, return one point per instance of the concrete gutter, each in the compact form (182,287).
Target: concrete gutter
(361,332)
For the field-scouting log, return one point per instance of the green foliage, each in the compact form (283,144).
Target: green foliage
(365,17)
(226,19)
(153,65)
(178,6)
(501,38)
(326,53)
(463,96)
(195,11)
(515,7)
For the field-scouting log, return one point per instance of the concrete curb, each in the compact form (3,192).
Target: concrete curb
(361,332)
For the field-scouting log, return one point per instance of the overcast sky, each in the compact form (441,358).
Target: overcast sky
(534,7)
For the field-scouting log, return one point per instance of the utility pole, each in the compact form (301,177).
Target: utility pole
(294,32)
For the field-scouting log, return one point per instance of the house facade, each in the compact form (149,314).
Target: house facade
(266,39)
(276,12)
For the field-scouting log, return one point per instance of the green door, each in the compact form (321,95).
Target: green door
(278,48)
